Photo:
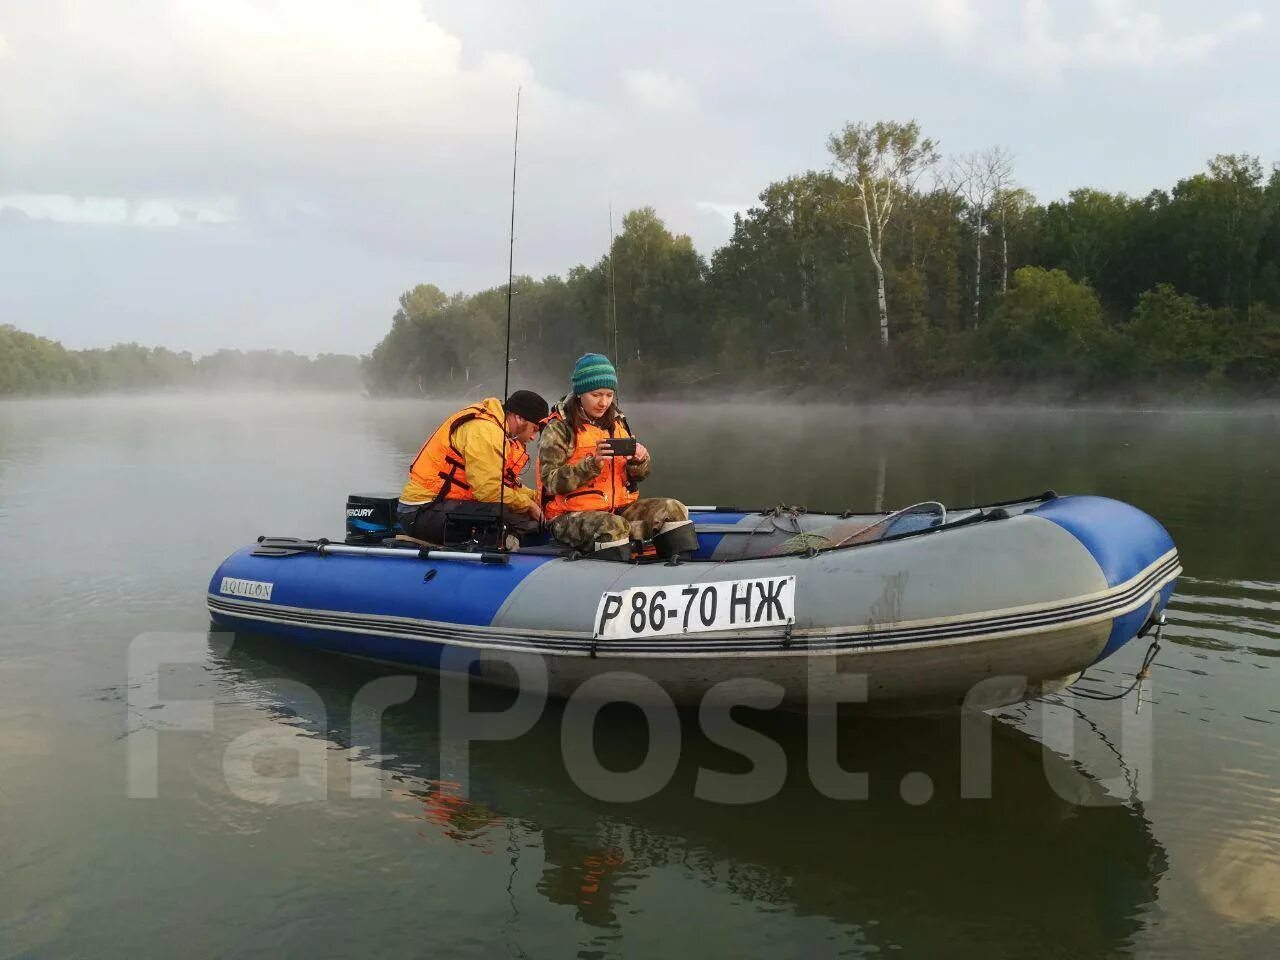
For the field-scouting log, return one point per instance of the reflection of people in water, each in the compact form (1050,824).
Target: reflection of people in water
(902,875)
(582,875)
(459,817)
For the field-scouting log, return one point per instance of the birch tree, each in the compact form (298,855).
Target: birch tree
(881,163)
(978,179)
(1011,204)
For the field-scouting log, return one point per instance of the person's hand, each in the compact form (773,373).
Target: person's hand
(535,511)
(603,451)
(642,453)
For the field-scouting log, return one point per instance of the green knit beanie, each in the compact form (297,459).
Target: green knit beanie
(593,371)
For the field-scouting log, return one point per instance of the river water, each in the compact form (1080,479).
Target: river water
(1106,833)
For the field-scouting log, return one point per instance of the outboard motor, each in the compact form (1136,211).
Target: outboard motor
(371,518)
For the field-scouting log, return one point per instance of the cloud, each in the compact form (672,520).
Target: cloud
(1119,36)
(1040,37)
(726,210)
(329,66)
(952,22)
(118,211)
(1129,37)
(176,90)
(658,91)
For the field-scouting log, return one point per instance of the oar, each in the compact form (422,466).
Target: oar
(291,546)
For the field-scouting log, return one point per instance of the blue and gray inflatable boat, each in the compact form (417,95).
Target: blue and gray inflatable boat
(922,610)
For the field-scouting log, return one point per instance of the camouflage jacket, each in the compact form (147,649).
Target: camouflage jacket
(555,447)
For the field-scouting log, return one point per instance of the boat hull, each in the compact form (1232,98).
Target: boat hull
(980,616)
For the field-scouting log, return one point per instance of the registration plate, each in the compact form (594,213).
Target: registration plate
(696,608)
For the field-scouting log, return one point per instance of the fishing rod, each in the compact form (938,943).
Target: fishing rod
(506,360)
(613,289)
(617,359)
(617,355)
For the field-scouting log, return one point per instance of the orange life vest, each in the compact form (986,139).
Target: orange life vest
(611,489)
(440,469)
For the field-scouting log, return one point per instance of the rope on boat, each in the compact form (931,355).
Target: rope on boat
(1143,673)
(893,515)
(809,543)
(769,522)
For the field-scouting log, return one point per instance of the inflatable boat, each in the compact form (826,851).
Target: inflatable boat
(920,610)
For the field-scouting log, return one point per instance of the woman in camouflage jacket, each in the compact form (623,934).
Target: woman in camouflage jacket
(588,491)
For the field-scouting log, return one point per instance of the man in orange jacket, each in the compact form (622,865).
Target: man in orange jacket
(461,470)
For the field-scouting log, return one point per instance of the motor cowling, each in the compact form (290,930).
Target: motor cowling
(371,518)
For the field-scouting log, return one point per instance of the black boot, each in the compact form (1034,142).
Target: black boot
(676,538)
(613,550)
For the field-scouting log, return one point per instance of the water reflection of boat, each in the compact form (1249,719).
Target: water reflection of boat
(1006,875)
(925,604)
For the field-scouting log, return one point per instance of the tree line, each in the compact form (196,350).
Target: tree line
(896,268)
(32,366)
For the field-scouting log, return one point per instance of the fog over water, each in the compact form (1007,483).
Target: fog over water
(1105,835)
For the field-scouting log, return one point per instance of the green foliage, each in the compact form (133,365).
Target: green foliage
(1214,223)
(454,344)
(32,366)
(885,153)
(1172,335)
(788,287)
(1180,290)
(658,280)
(1090,236)
(1047,324)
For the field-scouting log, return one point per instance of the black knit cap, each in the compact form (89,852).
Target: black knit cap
(527,404)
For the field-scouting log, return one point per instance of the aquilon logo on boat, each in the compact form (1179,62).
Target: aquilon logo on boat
(253,589)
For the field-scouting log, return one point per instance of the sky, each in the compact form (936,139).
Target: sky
(274,173)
